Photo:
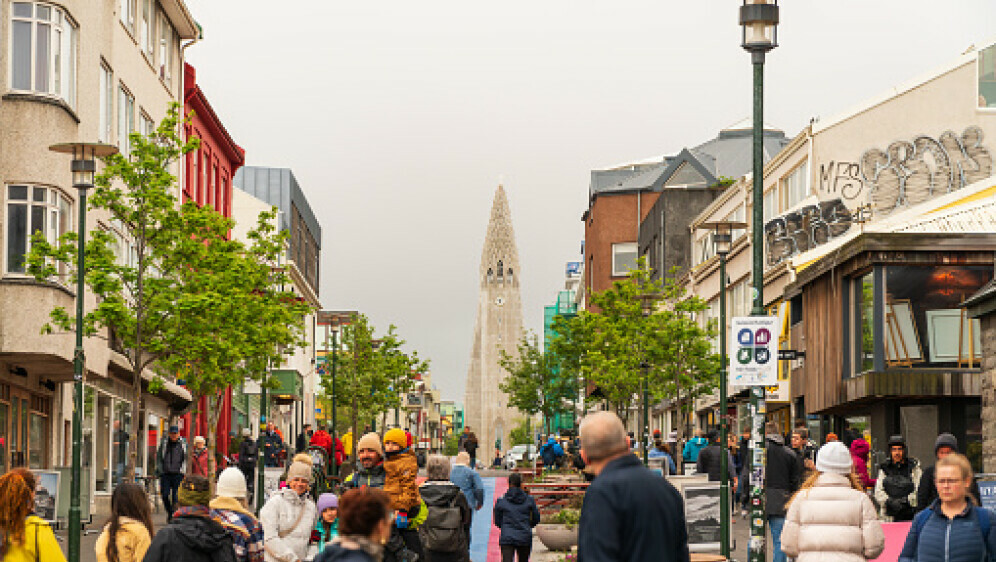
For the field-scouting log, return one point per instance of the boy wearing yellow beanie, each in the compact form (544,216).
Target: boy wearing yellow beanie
(401,469)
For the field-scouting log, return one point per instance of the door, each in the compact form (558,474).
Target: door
(20,402)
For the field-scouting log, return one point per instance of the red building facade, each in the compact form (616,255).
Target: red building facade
(208,174)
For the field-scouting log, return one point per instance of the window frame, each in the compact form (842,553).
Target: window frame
(127,8)
(790,200)
(124,140)
(105,126)
(978,77)
(52,216)
(635,251)
(62,67)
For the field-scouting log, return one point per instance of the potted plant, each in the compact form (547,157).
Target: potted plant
(560,532)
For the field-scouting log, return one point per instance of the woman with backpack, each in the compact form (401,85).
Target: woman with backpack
(516,514)
(831,517)
(444,534)
(128,532)
(25,537)
(952,528)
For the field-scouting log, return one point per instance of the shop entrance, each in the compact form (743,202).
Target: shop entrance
(23,426)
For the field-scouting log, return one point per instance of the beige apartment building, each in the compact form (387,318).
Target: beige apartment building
(75,70)
(877,225)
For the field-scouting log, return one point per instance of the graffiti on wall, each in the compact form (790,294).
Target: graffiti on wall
(809,227)
(842,179)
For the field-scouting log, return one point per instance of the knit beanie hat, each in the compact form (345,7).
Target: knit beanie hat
(834,458)
(194,490)
(370,441)
(299,470)
(305,458)
(396,436)
(326,501)
(231,483)
(946,440)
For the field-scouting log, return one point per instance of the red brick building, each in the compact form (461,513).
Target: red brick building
(208,174)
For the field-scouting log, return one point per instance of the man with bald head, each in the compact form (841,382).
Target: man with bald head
(629,514)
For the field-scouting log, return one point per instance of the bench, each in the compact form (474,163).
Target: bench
(554,496)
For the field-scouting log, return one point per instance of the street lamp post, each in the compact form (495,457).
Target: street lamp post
(83,166)
(722,239)
(335,361)
(759,25)
(647,303)
(264,412)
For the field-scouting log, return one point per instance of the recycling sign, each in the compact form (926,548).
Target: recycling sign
(754,357)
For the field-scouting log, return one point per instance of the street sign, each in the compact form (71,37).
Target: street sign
(753,361)
(790,354)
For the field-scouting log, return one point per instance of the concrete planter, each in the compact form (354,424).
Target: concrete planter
(556,536)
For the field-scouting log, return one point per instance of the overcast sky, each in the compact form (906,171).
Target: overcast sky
(398,119)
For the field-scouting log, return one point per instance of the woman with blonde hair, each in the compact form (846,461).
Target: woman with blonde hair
(128,533)
(26,537)
(831,517)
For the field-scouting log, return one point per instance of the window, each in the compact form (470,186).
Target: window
(106,103)
(43,51)
(795,187)
(864,300)
(146,36)
(987,77)
(32,209)
(126,10)
(704,249)
(770,204)
(738,215)
(148,125)
(167,44)
(623,258)
(126,119)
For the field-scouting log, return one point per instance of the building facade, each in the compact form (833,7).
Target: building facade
(74,71)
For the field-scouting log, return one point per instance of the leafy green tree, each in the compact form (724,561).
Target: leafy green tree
(521,434)
(173,293)
(534,384)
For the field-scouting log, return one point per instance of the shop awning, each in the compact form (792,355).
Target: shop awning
(291,386)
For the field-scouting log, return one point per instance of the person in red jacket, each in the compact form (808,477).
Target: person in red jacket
(859,454)
(322,439)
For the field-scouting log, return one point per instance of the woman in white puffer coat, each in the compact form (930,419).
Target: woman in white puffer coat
(288,518)
(831,518)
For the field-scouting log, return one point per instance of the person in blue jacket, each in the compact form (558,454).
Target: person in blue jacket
(551,453)
(953,528)
(660,450)
(695,445)
(515,514)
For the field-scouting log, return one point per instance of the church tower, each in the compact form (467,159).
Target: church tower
(498,326)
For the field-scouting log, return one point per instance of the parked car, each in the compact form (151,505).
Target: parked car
(518,453)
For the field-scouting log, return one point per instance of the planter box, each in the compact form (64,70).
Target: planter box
(556,536)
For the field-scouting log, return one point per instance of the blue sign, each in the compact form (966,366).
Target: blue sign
(987,489)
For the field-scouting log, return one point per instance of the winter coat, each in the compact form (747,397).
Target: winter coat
(200,462)
(832,522)
(39,544)
(171,457)
(337,553)
(401,483)
(444,523)
(373,477)
(283,543)
(322,439)
(950,540)
(859,456)
(782,476)
(656,453)
(709,462)
(272,446)
(191,538)
(244,528)
(516,514)
(551,452)
(692,449)
(132,540)
(895,489)
(470,483)
(630,513)
(927,492)
(325,534)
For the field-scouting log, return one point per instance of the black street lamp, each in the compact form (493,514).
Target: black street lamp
(84,167)
(722,239)
(759,23)
(648,303)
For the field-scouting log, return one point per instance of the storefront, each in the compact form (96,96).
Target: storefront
(25,428)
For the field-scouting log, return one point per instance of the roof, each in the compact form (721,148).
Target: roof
(279,187)
(196,100)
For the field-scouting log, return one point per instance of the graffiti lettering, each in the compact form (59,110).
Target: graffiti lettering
(907,173)
(841,178)
(809,227)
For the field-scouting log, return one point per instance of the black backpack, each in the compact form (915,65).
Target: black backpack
(443,529)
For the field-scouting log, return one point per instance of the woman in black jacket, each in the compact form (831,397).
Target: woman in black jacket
(193,535)
(516,514)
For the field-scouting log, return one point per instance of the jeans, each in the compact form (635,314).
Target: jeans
(169,487)
(509,551)
(776,524)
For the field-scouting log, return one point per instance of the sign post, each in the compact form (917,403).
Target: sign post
(755,364)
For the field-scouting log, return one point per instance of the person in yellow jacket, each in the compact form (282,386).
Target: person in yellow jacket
(26,537)
(128,532)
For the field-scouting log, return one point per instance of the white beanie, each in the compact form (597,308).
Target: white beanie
(834,457)
(231,483)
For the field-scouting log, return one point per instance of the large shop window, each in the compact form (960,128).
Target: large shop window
(923,324)
(987,77)
(32,209)
(43,51)
(107,437)
(623,258)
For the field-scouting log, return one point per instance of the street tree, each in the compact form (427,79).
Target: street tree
(535,384)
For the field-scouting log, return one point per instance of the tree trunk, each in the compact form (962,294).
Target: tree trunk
(354,420)
(213,415)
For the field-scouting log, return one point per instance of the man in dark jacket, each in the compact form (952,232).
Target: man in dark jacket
(468,442)
(247,459)
(171,465)
(551,453)
(303,438)
(193,535)
(709,461)
(945,444)
(515,514)
(782,477)
(897,482)
(629,513)
(272,445)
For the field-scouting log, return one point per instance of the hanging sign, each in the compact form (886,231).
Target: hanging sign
(754,358)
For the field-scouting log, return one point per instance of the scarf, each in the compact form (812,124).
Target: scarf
(356,542)
(230,504)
